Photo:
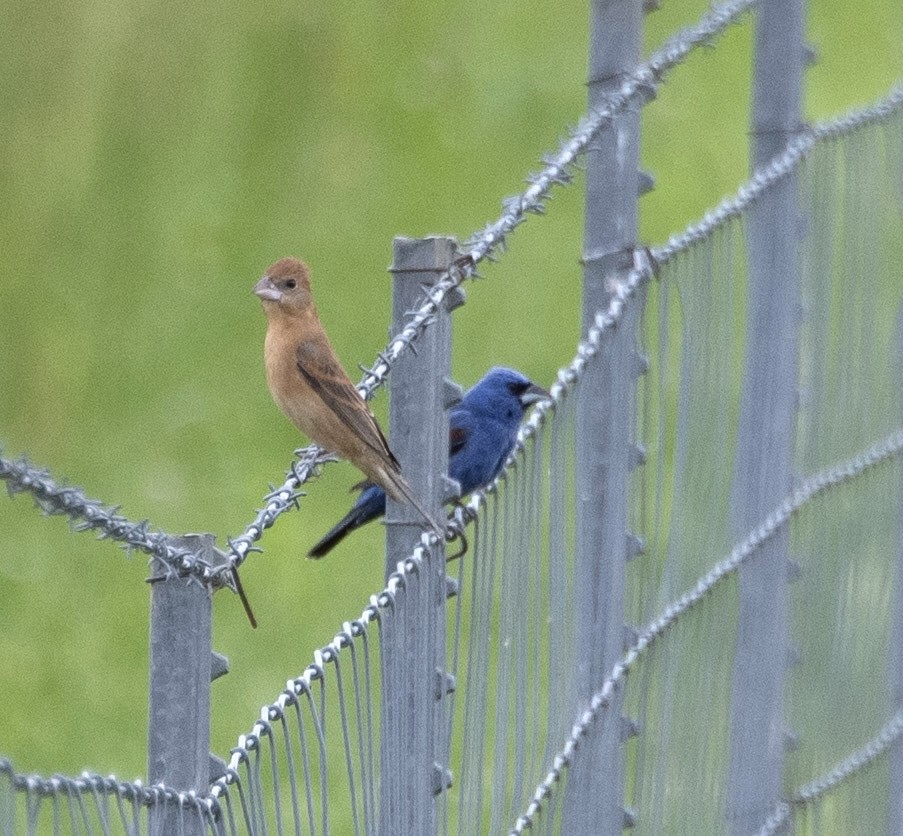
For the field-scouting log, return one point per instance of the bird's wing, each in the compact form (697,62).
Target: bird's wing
(457,438)
(325,375)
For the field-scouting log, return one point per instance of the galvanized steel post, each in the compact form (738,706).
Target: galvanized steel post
(179,700)
(763,467)
(605,420)
(413,749)
(895,660)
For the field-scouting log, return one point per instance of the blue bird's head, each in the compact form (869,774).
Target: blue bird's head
(503,394)
(483,427)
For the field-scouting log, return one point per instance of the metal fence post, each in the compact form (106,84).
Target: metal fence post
(763,467)
(413,751)
(180,675)
(594,794)
(895,787)
(895,660)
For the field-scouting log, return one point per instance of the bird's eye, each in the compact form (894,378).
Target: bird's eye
(517,388)
(291,284)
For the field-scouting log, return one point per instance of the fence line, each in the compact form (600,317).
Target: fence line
(249,746)
(91,515)
(647,263)
(71,501)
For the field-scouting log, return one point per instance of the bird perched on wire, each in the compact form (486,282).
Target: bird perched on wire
(308,382)
(482,431)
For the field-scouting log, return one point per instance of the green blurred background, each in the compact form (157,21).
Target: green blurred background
(155,158)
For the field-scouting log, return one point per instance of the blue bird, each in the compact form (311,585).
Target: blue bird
(482,431)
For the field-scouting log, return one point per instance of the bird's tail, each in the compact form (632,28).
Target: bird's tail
(371,504)
(398,488)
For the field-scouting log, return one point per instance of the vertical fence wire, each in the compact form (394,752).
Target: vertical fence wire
(695,335)
(842,602)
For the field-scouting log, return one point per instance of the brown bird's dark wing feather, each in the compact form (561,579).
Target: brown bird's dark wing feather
(327,378)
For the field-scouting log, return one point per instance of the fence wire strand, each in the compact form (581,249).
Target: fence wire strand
(843,771)
(54,499)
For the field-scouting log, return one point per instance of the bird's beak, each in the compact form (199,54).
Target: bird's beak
(265,289)
(533,394)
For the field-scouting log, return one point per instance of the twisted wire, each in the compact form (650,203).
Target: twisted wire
(855,762)
(55,499)
(94,784)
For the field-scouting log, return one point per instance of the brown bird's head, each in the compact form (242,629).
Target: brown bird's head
(285,287)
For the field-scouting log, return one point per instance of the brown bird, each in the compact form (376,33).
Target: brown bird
(310,386)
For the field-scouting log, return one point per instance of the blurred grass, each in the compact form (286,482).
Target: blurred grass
(155,158)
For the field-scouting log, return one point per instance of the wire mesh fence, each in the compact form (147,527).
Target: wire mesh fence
(521,710)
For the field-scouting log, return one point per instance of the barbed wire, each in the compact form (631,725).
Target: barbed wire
(279,500)
(855,762)
(492,239)
(55,499)
(89,783)
(889,447)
